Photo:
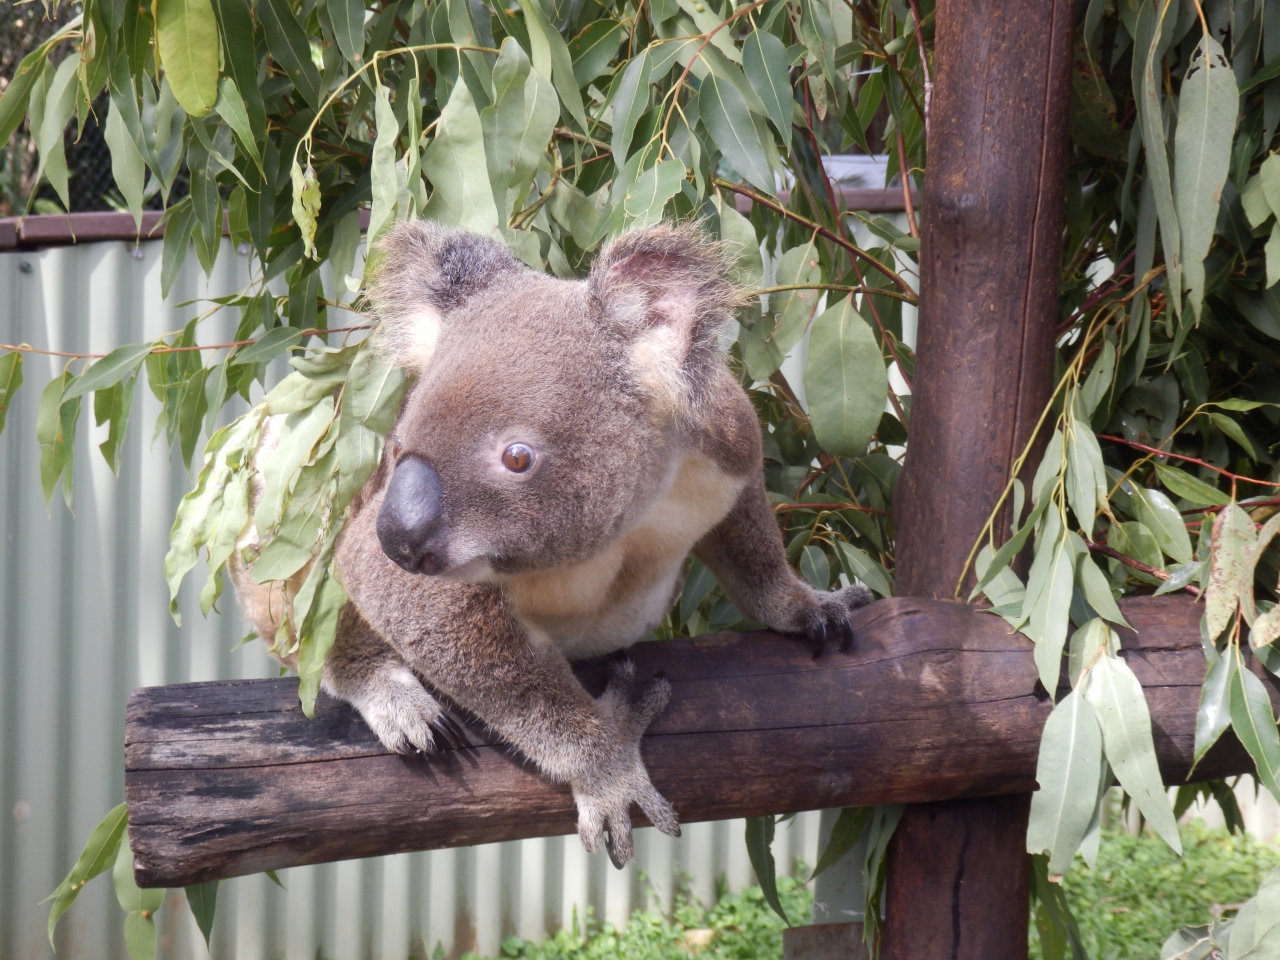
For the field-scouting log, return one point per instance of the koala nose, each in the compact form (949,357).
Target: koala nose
(409,518)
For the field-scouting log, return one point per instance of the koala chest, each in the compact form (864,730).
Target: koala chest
(610,600)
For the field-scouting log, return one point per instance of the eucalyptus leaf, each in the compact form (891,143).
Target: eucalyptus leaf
(845,380)
(1067,772)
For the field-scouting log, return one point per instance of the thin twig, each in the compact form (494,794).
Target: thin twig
(1186,459)
(784,507)
(771,204)
(905,178)
(1156,572)
(308,332)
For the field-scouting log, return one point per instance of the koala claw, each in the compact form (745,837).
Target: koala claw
(405,717)
(829,618)
(604,798)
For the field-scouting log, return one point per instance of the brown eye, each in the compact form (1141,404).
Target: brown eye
(396,445)
(517,458)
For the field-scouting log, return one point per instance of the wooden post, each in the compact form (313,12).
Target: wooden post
(991,254)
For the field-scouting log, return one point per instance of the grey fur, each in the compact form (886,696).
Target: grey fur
(646,449)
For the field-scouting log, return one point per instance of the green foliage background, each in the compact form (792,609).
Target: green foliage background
(555,125)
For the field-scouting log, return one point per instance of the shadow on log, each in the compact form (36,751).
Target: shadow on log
(936,701)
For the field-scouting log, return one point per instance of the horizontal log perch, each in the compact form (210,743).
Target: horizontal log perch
(936,701)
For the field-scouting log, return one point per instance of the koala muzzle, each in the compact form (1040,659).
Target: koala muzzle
(409,521)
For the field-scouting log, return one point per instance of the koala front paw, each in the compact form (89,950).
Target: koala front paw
(828,618)
(405,717)
(604,796)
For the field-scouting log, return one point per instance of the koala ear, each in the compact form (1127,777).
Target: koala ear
(668,288)
(426,270)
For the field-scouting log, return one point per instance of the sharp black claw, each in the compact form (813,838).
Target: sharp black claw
(846,635)
(819,637)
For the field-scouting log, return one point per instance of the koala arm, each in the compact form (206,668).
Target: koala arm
(746,553)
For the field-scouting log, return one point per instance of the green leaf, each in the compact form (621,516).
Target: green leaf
(110,370)
(764,60)
(139,904)
(59,104)
(594,48)
(231,108)
(127,164)
(760,850)
(98,854)
(793,309)
(1162,518)
(1097,590)
(1067,772)
(1189,487)
(551,59)
(741,246)
(178,225)
(517,126)
(631,100)
(112,406)
(727,117)
(203,900)
(1233,540)
(844,380)
(1151,123)
(458,168)
(235,24)
(268,347)
(1255,725)
(1254,201)
(1121,708)
(316,639)
(17,94)
(1207,107)
(814,567)
(646,197)
(859,566)
(347,18)
(56,432)
(845,832)
(10,381)
(373,391)
(187,40)
(1214,713)
(290,47)
(1050,584)
(1235,432)
(1272,251)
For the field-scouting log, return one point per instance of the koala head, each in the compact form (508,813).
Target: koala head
(546,414)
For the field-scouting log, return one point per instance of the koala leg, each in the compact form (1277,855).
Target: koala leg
(746,553)
(468,644)
(367,673)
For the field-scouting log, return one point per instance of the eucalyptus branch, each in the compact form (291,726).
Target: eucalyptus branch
(1156,572)
(307,332)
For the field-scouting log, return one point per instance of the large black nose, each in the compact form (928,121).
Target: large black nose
(409,520)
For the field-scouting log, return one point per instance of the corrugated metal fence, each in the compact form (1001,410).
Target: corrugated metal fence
(84,619)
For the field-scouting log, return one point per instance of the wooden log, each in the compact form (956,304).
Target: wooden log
(936,701)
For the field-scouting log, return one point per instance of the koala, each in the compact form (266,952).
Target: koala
(565,446)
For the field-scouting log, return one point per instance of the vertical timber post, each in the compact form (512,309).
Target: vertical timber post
(994,196)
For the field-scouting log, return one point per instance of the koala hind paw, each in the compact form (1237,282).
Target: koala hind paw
(604,798)
(829,620)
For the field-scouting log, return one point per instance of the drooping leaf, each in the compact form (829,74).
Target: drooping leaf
(594,48)
(551,59)
(98,854)
(1162,518)
(347,17)
(202,898)
(10,381)
(111,369)
(645,199)
(631,100)
(1190,488)
(290,47)
(1067,772)
(128,167)
(1255,725)
(138,904)
(1207,109)
(764,60)
(760,850)
(187,41)
(1121,708)
(726,116)
(845,380)
(458,168)
(1233,538)
(1214,713)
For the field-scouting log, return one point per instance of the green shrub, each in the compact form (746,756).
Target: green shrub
(1140,891)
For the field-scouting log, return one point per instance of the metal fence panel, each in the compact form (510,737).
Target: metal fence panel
(84,619)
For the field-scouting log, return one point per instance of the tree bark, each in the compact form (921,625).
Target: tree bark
(937,701)
(994,195)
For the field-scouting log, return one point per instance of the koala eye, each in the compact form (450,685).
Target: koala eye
(396,445)
(518,457)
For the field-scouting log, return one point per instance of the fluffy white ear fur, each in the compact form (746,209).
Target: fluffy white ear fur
(658,354)
(410,341)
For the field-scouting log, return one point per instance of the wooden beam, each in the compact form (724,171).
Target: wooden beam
(936,701)
(990,270)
